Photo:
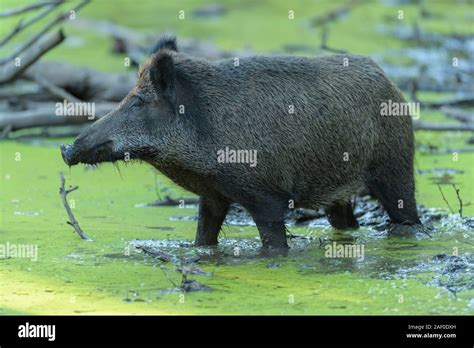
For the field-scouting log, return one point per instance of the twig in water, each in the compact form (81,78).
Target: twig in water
(160,255)
(72,220)
(444,198)
(459,199)
(167,257)
(167,277)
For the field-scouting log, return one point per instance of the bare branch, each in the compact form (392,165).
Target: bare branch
(10,71)
(61,17)
(459,199)
(20,10)
(23,24)
(72,220)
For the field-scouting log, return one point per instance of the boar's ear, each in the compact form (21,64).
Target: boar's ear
(162,75)
(165,42)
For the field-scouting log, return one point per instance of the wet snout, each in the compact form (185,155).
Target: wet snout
(66,152)
(92,146)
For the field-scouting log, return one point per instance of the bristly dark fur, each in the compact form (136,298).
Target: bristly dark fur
(165,42)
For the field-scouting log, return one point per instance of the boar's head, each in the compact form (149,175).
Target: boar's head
(132,130)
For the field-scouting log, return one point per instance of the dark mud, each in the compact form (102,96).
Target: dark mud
(367,211)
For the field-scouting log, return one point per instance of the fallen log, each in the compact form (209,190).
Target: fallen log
(465,101)
(440,127)
(458,114)
(83,82)
(54,90)
(45,115)
(47,133)
(21,89)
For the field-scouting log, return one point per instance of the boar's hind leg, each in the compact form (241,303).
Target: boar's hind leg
(272,233)
(212,212)
(271,225)
(341,216)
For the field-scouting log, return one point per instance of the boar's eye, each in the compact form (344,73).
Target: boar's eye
(137,101)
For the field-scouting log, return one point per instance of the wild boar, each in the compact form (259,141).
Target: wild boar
(270,133)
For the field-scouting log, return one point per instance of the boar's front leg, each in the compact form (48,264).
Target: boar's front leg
(212,212)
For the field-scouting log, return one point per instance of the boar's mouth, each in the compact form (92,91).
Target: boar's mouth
(74,154)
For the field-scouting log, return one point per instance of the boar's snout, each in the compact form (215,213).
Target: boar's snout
(66,152)
(91,147)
